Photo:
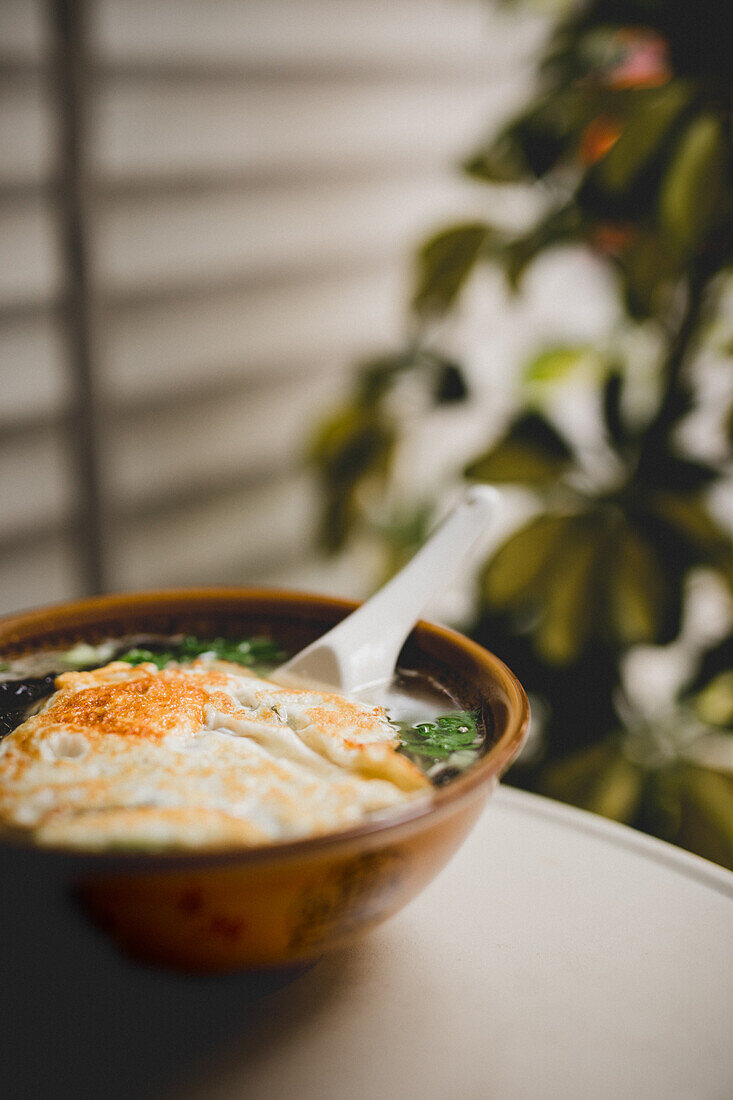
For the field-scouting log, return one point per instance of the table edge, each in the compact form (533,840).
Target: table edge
(690,866)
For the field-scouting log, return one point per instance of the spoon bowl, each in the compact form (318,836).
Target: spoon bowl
(361,652)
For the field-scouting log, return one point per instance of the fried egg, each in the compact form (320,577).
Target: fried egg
(199,755)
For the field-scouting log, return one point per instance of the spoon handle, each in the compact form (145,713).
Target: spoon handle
(362,650)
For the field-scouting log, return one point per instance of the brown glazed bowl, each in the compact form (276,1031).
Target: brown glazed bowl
(290,901)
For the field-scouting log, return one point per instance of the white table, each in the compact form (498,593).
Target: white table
(557,955)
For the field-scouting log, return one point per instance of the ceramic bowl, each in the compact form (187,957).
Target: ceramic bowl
(288,902)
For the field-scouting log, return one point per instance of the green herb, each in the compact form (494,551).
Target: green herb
(438,740)
(250,652)
(4,666)
(146,656)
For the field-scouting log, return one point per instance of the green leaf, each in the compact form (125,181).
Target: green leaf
(714,704)
(378,375)
(685,535)
(531,453)
(570,589)
(650,274)
(350,443)
(642,137)
(572,778)
(338,519)
(692,192)
(439,739)
(250,652)
(509,579)
(636,590)
(675,555)
(139,656)
(623,185)
(693,520)
(712,688)
(538,139)
(706,825)
(617,790)
(351,446)
(444,264)
(554,364)
(600,779)
(501,161)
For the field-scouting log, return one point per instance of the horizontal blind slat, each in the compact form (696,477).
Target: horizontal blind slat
(26,133)
(164,242)
(396,32)
(23,31)
(30,274)
(152,349)
(249,434)
(36,484)
(34,380)
(41,572)
(196,546)
(188,129)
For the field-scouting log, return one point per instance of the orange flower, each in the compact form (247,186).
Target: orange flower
(598,137)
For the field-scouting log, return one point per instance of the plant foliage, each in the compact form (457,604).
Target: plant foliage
(631,138)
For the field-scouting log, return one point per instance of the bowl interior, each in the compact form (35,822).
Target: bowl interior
(475,678)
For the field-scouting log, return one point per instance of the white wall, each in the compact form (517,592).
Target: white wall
(262,170)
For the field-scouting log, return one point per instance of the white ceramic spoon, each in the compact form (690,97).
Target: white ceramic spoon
(361,651)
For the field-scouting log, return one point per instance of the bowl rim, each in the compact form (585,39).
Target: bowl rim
(20,626)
